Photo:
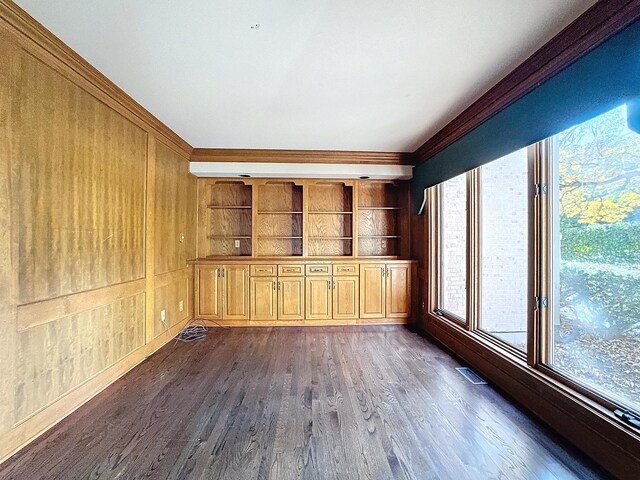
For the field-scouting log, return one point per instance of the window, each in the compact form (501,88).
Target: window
(453,247)
(504,248)
(594,204)
(558,221)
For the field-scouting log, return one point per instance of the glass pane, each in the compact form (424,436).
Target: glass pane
(504,243)
(595,334)
(453,246)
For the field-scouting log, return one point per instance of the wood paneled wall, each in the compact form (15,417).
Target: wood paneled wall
(94,194)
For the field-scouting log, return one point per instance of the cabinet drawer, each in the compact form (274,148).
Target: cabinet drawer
(290,270)
(263,270)
(318,270)
(345,269)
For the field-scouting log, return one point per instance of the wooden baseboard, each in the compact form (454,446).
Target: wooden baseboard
(306,323)
(581,421)
(31,428)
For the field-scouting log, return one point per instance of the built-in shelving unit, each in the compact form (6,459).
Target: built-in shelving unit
(330,218)
(228,218)
(380,206)
(279,219)
(302,218)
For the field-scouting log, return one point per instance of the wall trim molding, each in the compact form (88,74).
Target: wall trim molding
(300,156)
(44,311)
(600,22)
(36,39)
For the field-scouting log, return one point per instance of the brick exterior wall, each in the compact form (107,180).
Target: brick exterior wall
(454,250)
(504,245)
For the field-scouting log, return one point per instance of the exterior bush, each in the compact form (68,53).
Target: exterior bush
(617,243)
(602,299)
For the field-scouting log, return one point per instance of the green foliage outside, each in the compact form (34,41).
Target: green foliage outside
(616,244)
(599,172)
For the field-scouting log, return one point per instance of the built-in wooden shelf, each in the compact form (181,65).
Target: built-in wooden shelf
(330,213)
(279,213)
(379,236)
(331,238)
(379,208)
(293,218)
(230,237)
(229,207)
(281,237)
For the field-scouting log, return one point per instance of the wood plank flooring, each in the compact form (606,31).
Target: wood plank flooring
(366,402)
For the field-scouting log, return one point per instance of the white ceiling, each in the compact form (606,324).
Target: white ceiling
(375,75)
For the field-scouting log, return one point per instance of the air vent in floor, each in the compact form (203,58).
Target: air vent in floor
(471,376)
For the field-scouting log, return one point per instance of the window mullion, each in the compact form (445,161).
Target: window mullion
(473,249)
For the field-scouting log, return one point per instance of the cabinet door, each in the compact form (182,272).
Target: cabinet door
(372,291)
(235,279)
(318,298)
(264,298)
(291,298)
(208,297)
(398,291)
(346,292)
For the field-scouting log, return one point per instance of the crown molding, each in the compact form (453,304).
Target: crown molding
(40,42)
(603,20)
(299,156)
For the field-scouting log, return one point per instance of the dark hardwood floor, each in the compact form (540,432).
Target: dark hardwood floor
(365,402)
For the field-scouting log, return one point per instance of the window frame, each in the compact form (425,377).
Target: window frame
(549,273)
(541,268)
(435,198)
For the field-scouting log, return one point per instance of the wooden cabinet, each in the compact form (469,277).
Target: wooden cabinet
(222,292)
(385,290)
(304,291)
(345,297)
(291,298)
(398,294)
(207,291)
(319,301)
(264,298)
(235,302)
(372,290)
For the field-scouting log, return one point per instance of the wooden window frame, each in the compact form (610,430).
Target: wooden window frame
(434,195)
(541,268)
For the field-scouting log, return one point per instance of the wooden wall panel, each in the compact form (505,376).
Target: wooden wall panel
(170,289)
(77,271)
(55,357)
(7,307)
(175,200)
(80,183)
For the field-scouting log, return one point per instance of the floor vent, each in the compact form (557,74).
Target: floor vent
(471,376)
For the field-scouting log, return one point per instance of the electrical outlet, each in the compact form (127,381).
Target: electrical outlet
(163,315)
(237,243)
(181,305)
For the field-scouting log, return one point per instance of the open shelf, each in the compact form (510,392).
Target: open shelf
(379,219)
(229,207)
(275,236)
(329,213)
(228,213)
(279,219)
(279,213)
(292,217)
(330,220)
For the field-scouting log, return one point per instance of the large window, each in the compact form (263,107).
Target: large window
(453,247)
(504,248)
(594,327)
(541,248)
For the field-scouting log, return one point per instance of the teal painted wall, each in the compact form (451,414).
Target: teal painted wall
(605,78)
